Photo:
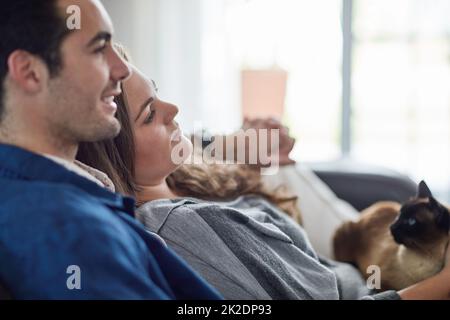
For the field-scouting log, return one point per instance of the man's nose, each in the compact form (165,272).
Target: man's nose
(120,69)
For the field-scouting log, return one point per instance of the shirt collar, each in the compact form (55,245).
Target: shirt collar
(26,165)
(85,171)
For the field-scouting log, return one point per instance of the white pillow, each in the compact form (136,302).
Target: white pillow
(321,210)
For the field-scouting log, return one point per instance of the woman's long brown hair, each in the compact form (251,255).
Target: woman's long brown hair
(218,182)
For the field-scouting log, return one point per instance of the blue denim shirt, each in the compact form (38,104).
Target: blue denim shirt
(64,237)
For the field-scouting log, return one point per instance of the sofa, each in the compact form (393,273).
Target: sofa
(359,184)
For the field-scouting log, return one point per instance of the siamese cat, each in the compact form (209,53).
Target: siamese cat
(407,242)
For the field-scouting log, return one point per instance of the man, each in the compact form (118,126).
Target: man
(63,236)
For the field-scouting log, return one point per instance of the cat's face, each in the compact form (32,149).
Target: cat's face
(422,221)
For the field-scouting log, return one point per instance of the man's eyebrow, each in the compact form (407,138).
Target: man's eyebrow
(143,106)
(103,35)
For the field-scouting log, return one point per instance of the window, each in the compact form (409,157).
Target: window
(304,38)
(401,87)
(369,79)
(366,78)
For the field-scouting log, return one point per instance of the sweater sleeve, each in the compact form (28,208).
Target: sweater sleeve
(386,295)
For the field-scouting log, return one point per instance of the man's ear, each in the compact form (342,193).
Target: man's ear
(27,71)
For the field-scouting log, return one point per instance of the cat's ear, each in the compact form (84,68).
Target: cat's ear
(423,191)
(433,202)
(439,207)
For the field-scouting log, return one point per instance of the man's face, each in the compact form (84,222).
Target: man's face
(79,101)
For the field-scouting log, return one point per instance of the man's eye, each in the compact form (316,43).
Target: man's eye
(102,45)
(149,117)
(101,49)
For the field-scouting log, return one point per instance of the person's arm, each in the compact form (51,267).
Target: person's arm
(434,288)
(112,262)
(285,145)
(286,141)
(66,246)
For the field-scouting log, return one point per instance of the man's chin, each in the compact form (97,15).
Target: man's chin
(116,127)
(109,130)
(113,129)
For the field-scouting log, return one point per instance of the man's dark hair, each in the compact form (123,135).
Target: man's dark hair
(36,26)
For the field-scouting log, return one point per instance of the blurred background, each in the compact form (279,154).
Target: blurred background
(362,79)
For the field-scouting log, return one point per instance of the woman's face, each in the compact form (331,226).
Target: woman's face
(159,142)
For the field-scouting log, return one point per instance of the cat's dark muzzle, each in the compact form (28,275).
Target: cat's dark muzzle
(397,237)
(398,234)
(403,237)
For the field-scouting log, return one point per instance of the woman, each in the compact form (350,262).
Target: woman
(247,248)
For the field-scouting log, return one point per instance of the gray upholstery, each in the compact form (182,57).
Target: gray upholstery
(362,185)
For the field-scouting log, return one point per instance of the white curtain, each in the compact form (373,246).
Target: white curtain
(180,45)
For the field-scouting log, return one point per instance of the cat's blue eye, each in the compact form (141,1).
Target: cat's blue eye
(411,221)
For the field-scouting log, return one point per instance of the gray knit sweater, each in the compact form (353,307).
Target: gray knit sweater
(248,249)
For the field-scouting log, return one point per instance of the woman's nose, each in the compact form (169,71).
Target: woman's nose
(171,111)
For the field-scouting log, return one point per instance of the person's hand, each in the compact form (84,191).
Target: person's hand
(286,142)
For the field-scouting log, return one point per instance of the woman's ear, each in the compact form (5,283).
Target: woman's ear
(26,71)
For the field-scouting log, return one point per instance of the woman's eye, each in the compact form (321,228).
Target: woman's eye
(149,117)
(155,87)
